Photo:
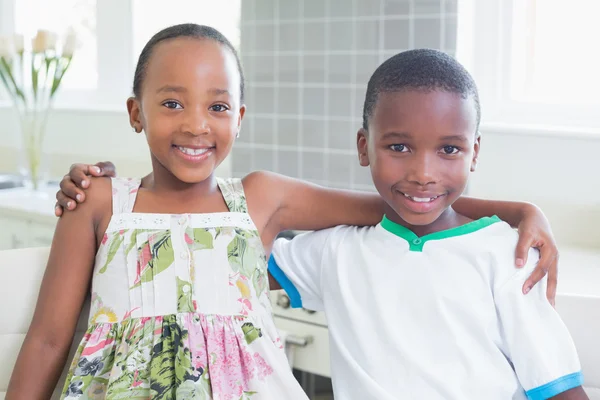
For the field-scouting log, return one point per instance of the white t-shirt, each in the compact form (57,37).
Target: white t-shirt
(435,317)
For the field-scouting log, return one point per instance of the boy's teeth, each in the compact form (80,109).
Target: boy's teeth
(421,199)
(192,152)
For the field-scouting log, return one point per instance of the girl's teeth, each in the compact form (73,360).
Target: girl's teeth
(192,152)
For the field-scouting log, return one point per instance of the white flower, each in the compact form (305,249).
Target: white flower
(70,44)
(44,40)
(19,42)
(6,47)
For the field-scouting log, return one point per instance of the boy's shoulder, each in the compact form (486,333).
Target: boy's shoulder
(498,244)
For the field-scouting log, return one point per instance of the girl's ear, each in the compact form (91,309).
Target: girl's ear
(134,110)
(240,118)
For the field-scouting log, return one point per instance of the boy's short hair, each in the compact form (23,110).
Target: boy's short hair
(420,69)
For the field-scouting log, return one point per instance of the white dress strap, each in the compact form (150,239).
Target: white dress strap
(233,193)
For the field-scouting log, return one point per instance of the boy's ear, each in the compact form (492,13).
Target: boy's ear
(476,148)
(362,146)
(133,108)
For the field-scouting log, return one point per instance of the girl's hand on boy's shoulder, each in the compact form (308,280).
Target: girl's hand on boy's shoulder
(74,184)
(535,231)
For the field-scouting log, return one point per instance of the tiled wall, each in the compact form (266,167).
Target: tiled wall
(307,65)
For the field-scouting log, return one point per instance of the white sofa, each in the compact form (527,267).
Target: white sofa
(578,303)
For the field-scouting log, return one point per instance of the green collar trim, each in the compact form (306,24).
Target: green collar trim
(416,243)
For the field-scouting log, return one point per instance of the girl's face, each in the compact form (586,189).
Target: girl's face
(189,107)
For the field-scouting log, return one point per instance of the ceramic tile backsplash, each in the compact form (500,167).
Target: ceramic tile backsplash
(307,65)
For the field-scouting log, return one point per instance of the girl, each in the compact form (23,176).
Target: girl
(180,305)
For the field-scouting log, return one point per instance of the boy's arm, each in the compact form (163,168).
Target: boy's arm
(534,338)
(296,265)
(573,394)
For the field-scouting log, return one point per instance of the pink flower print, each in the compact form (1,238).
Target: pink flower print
(188,239)
(246,306)
(121,232)
(105,238)
(264,369)
(136,382)
(134,190)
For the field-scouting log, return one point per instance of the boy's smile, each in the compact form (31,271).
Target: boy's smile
(421,146)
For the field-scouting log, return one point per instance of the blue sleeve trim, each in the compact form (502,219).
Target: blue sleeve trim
(285,283)
(555,387)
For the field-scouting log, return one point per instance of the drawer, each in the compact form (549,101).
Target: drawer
(314,357)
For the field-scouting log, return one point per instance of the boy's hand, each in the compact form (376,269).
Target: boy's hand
(71,186)
(535,231)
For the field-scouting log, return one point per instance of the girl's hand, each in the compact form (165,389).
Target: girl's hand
(535,231)
(71,186)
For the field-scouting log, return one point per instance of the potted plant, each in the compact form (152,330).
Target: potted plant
(32,77)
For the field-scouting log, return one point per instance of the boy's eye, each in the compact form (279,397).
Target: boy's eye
(400,148)
(172,105)
(448,150)
(219,108)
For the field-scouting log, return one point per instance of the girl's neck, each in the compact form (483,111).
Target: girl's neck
(162,182)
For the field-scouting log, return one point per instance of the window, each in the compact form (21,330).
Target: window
(535,61)
(150,17)
(111,34)
(59,16)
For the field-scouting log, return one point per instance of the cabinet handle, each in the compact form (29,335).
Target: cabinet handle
(299,341)
(283,301)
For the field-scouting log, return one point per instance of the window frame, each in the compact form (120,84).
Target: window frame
(484,46)
(114,42)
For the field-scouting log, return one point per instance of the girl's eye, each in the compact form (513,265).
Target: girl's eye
(219,108)
(173,105)
(449,150)
(400,148)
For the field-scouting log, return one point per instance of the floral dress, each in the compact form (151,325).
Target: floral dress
(180,309)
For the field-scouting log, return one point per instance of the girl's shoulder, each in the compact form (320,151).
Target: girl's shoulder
(98,196)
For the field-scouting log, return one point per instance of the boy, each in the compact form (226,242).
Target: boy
(426,304)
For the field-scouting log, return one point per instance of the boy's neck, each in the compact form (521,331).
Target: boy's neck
(447,220)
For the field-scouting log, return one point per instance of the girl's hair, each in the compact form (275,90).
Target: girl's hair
(177,31)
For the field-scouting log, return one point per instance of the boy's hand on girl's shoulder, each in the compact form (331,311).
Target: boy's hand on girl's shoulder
(535,231)
(73,185)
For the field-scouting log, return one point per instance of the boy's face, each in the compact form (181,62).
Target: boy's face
(421,146)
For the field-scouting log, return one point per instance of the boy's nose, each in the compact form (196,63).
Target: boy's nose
(422,170)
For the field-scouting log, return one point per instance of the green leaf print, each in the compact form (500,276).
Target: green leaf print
(235,253)
(247,395)
(251,333)
(184,296)
(203,239)
(259,280)
(162,254)
(199,390)
(132,242)
(116,241)
(165,379)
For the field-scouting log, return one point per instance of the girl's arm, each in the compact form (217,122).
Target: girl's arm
(304,206)
(62,293)
(280,203)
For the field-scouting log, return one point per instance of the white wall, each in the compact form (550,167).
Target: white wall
(84,136)
(557,172)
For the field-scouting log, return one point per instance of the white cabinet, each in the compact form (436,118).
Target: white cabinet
(26,220)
